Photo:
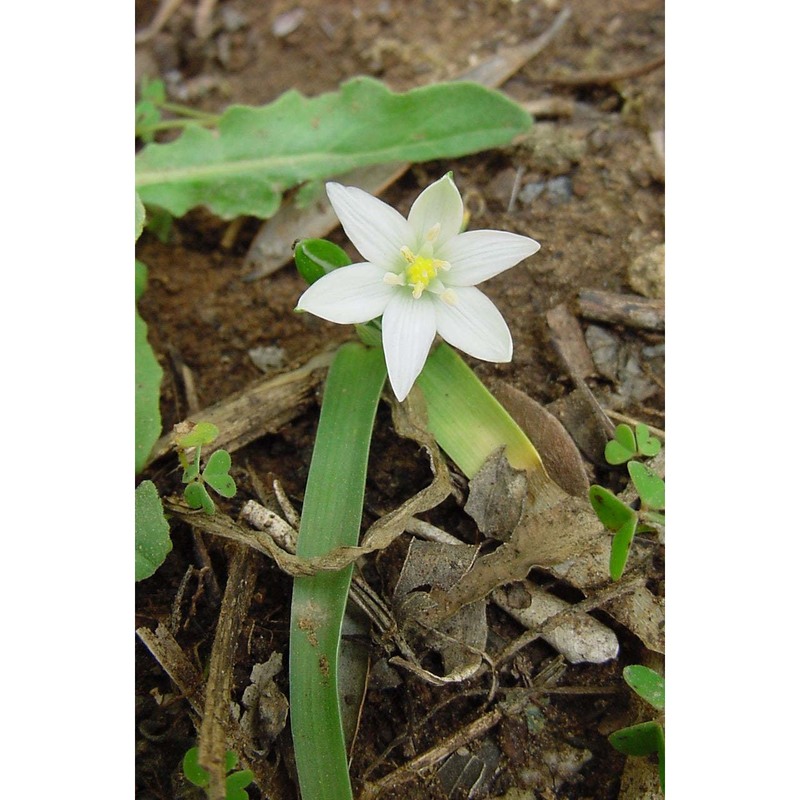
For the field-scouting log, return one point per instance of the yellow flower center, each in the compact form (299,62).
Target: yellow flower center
(421,270)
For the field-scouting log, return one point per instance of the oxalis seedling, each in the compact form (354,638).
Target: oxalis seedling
(646,737)
(215,474)
(618,517)
(235,782)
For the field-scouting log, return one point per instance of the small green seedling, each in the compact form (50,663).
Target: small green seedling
(621,519)
(629,443)
(646,737)
(215,473)
(235,782)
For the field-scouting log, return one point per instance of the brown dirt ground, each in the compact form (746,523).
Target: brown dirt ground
(201,310)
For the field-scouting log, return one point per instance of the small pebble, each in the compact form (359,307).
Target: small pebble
(288,22)
(646,272)
(267,357)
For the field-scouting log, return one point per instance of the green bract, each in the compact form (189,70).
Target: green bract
(317,257)
(258,153)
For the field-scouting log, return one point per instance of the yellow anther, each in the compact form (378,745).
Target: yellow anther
(422,268)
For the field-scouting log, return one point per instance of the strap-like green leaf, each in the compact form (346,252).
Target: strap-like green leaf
(258,153)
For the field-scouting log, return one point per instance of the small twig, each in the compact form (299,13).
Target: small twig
(165,10)
(615,415)
(600,78)
(623,309)
(216,716)
(515,188)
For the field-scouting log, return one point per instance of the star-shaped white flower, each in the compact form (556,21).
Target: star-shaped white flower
(420,274)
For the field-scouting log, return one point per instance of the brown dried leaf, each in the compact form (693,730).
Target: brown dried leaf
(560,456)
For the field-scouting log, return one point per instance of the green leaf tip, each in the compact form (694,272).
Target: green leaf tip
(258,153)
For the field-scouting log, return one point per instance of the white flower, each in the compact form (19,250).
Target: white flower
(420,274)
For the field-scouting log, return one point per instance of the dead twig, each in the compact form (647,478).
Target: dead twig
(263,407)
(622,309)
(216,713)
(599,78)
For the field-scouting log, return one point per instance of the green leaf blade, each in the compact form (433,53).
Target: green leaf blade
(649,486)
(148,389)
(646,444)
(192,770)
(216,474)
(197,496)
(202,433)
(620,547)
(638,740)
(258,153)
(153,543)
(611,511)
(622,447)
(647,683)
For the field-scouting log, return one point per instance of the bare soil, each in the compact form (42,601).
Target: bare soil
(589,186)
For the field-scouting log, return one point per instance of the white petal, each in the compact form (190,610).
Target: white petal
(377,230)
(408,329)
(474,325)
(475,256)
(439,203)
(352,294)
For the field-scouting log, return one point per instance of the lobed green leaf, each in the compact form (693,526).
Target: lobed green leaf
(622,447)
(202,433)
(646,444)
(216,474)
(151,531)
(258,153)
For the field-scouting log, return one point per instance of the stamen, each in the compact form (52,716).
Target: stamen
(393,279)
(439,264)
(433,234)
(407,254)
